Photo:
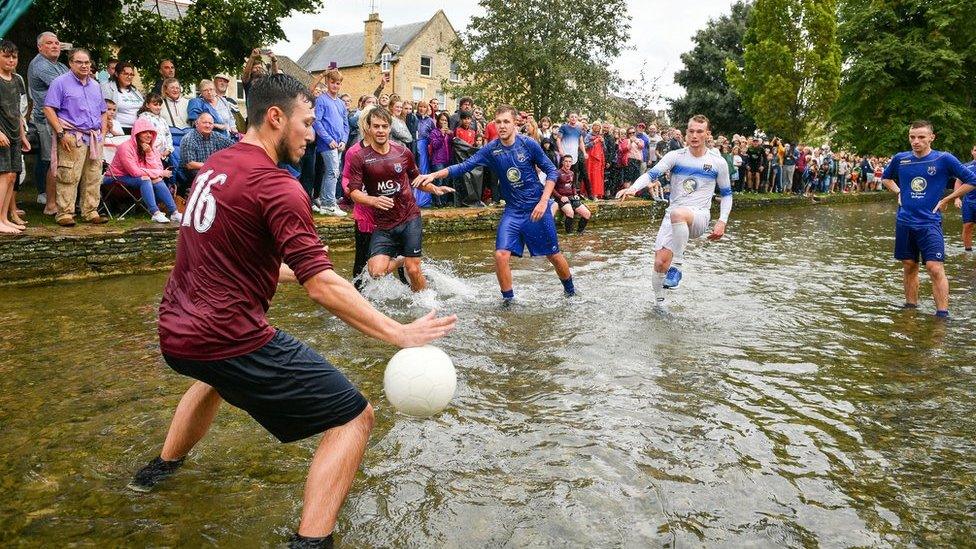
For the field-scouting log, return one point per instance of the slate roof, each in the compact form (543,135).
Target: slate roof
(346,50)
(289,67)
(169,9)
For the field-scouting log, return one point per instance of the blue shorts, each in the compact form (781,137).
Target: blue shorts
(516,230)
(911,242)
(969,211)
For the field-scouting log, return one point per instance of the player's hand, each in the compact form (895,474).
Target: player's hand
(423,179)
(382,203)
(425,329)
(718,231)
(622,194)
(25,145)
(940,206)
(441,190)
(958,203)
(539,210)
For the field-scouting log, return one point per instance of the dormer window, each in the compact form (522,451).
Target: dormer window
(385,58)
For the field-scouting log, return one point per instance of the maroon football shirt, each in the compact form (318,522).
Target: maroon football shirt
(388,175)
(243,218)
(564,185)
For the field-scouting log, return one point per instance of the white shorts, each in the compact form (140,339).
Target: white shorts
(697,228)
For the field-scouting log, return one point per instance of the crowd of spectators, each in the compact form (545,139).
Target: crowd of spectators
(78,114)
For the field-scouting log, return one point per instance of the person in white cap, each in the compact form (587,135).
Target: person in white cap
(226,106)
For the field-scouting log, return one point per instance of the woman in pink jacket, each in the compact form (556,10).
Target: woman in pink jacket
(137,164)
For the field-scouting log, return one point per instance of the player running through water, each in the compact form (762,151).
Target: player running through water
(967,204)
(920,176)
(695,174)
(244,217)
(379,177)
(527,220)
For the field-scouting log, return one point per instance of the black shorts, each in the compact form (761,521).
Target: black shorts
(573,201)
(287,387)
(405,239)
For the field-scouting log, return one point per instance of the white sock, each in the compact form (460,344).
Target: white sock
(657,282)
(679,239)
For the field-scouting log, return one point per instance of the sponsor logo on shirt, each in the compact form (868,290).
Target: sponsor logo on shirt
(513,174)
(388,187)
(690,185)
(919,184)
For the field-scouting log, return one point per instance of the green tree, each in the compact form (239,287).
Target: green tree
(907,59)
(704,78)
(210,36)
(791,65)
(546,56)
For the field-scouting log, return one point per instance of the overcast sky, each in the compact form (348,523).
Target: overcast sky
(661,30)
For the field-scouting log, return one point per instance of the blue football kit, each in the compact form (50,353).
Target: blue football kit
(969,200)
(515,168)
(922,182)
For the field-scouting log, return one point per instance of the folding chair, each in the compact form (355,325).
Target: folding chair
(118,195)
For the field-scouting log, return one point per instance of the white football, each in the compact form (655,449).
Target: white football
(420,381)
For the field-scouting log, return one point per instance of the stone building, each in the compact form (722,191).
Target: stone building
(416,55)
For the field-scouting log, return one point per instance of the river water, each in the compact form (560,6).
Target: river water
(784,400)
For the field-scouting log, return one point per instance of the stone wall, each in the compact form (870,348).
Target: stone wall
(53,254)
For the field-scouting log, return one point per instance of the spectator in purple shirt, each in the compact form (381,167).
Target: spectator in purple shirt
(424,124)
(440,137)
(75,111)
(331,133)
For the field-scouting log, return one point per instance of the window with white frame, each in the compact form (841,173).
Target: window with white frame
(385,58)
(426,65)
(455,72)
(442,100)
(417,93)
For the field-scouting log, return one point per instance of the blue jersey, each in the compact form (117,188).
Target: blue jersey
(515,168)
(922,182)
(970,197)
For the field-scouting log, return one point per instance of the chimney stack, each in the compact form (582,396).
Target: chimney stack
(318,35)
(372,38)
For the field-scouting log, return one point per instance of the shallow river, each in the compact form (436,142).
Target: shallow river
(784,401)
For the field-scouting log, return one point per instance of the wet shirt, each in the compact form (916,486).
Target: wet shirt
(243,218)
(971,195)
(564,185)
(569,137)
(922,181)
(515,168)
(10,93)
(693,178)
(389,175)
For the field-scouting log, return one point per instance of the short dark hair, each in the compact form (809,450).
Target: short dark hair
(564,157)
(8,47)
(922,124)
(380,113)
(506,108)
(464,115)
(464,100)
(276,90)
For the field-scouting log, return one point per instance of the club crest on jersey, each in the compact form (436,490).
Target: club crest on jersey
(707,167)
(931,170)
(521,155)
(513,174)
(398,168)
(690,185)
(919,184)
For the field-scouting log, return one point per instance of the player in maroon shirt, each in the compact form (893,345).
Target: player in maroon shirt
(248,226)
(379,177)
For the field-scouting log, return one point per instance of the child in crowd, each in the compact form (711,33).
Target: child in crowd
(567,197)
(464,131)
(13,138)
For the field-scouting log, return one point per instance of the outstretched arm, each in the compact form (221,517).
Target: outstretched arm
(343,300)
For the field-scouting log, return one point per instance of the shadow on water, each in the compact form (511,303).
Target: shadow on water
(782,400)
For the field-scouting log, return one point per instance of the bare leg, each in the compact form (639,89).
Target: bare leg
(50,188)
(331,474)
(967,234)
(558,261)
(192,420)
(381,265)
(417,280)
(911,281)
(6,189)
(503,271)
(940,284)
